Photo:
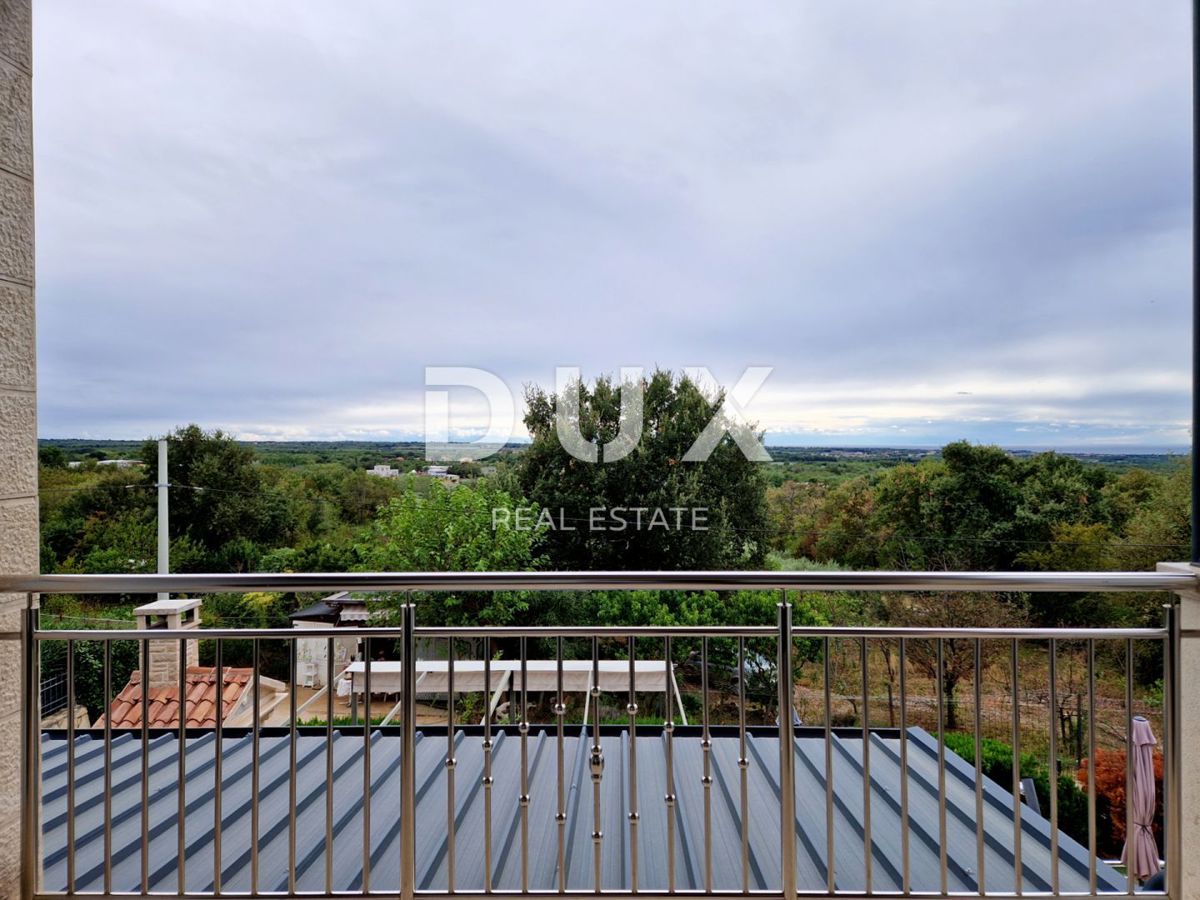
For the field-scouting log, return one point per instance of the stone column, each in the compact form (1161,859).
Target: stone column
(18,404)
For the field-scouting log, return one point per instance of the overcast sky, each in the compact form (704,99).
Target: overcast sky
(933,219)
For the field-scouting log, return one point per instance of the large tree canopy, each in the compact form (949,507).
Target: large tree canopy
(974,507)
(219,499)
(453,530)
(727,492)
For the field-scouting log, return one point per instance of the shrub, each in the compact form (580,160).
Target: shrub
(89,669)
(997,765)
(1110,797)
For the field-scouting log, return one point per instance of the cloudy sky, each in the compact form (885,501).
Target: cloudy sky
(933,219)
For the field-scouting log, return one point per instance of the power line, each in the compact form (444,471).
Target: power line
(132,485)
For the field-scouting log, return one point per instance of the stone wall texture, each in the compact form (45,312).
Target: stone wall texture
(18,403)
(164,661)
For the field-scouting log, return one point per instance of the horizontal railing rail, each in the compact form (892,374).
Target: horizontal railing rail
(889,810)
(603,632)
(574,581)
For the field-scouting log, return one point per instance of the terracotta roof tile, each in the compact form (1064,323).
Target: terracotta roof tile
(201,712)
(163,702)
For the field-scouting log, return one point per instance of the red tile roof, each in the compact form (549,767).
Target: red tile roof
(126,708)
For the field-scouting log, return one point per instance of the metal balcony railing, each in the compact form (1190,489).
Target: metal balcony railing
(407,808)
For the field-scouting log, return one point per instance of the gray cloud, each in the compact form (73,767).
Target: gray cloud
(272,217)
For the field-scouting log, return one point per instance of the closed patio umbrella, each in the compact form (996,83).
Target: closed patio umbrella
(1141,851)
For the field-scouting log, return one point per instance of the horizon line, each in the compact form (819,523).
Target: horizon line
(1097,450)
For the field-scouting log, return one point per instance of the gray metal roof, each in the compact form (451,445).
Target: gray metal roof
(542,853)
(319,611)
(327,608)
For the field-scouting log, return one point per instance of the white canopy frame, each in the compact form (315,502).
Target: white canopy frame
(650,676)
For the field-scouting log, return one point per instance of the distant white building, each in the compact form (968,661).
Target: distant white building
(113,463)
(384,471)
(442,474)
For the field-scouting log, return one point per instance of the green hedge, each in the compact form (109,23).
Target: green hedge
(997,759)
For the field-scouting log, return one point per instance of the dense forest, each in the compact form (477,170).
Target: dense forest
(239,507)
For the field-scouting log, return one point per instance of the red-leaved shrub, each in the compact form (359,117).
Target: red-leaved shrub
(1110,797)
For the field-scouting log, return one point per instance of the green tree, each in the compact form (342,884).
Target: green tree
(313,556)
(1160,526)
(844,529)
(52,457)
(793,507)
(461,529)
(1073,547)
(1125,495)
(466,469)
(219,499)
(89,669)
(954,513)
(359,495)
(1057,491)
(727,489)
(74,520)
(254,610)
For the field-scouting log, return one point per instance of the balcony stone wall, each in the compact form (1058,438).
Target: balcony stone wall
(18,403)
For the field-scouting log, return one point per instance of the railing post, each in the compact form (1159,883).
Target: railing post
(1183,730)
(408,761)
(1172,814)
(787,755)
(31,753)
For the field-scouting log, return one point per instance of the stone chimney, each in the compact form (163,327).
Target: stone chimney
(182,612)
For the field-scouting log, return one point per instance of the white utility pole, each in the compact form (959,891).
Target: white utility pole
(164,535)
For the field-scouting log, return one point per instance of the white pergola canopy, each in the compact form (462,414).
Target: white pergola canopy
(650,676)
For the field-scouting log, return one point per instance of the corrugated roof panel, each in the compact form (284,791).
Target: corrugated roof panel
(540,826)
